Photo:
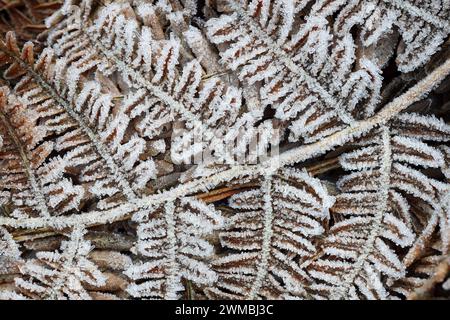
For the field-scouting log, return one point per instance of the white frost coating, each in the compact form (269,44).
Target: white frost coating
(423,27)
(375,184)
(256,32)
(93,136)
(400,144)
(434,129)
(420,13)
(172,274)
(292,156)
(282,216)
(59,275)
(8,107)
(8,247)
(368,251)
(179,227)
(180,103)
(318,148)
(421,152)
(60,192)
(401,235)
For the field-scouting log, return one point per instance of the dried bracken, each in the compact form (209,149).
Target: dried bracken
(264,149)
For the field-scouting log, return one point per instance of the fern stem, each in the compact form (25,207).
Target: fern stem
(267,239)
(292,156)
(172,273)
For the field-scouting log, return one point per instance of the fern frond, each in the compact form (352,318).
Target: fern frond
(423,25)
(171,242)
(273,227)
(294,67)
(161,92)
(287,158)
(60,275)
(23,158)
(90,140)
(100,128)
(376,210)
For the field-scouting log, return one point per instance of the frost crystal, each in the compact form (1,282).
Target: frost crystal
(252,149)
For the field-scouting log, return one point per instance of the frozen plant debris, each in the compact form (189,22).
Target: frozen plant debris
(264,149)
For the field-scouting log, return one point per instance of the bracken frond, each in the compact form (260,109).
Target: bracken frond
(236,149)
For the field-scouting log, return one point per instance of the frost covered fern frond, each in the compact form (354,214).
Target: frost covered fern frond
(375,209)
(77,124)
(423,25)
(272,227)
(164,87)
(254,149)
(171,241)
(25,152)
(60,275)
(310,77)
